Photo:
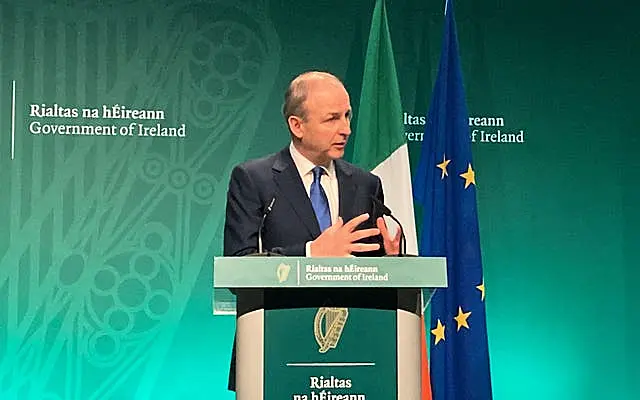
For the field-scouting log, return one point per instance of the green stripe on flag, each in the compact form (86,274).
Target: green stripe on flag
(380,127)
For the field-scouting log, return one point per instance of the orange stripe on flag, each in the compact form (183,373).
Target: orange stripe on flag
(424,364)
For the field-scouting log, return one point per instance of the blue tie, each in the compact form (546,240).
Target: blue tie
(319,200)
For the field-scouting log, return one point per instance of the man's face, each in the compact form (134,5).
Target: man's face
(324,131)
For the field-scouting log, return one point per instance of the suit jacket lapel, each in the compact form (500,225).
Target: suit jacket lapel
(288,180)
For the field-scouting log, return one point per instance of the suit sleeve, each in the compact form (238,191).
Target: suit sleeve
(375,190)
(244,212)
(243,215)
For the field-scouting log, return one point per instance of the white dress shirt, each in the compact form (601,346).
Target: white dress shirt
(328,180)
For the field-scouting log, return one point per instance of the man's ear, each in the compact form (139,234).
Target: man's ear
(295,126)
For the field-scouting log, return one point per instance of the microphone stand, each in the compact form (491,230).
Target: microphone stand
(403,240)
(264,217)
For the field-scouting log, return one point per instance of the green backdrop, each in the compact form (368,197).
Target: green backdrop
(106,242)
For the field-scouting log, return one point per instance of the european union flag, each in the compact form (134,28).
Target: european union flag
(445,187)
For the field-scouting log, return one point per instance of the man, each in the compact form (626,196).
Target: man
(318,113)
(319,201)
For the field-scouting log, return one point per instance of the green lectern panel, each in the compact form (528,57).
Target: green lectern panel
(330,354)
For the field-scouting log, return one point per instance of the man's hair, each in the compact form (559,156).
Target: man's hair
(297,91)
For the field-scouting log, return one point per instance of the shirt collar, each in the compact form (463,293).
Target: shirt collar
(305,166)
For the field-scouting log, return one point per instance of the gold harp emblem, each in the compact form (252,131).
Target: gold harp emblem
(283,272)
(328,326)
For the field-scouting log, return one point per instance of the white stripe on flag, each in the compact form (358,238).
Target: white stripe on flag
(395,174)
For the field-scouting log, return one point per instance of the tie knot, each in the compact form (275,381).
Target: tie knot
(317,173)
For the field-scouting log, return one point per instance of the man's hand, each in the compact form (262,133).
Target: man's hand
(338,240)
(391,245)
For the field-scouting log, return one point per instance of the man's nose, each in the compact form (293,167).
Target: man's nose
(345,129)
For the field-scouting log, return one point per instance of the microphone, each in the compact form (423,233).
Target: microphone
(386,211)
(248,293)
(264,217)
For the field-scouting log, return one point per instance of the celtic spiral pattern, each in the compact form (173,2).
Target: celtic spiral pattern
(109,237)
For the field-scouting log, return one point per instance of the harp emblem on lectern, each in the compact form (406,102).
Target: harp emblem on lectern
(283,272)
(328,326)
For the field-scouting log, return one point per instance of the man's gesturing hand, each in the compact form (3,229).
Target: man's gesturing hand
(338,240)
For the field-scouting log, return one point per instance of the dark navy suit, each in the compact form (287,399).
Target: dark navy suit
(291,222)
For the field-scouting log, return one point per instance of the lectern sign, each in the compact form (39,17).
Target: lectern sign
(328,272)
(330,353)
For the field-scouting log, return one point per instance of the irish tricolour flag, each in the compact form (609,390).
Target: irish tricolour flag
(380,144)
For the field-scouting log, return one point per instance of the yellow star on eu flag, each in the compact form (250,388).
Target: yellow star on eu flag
(480,287)
(443,166)
(469,177)
(461,318)
(438,332)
